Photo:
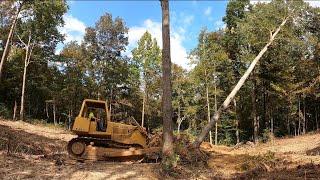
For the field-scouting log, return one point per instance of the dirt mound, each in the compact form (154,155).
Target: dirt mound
(20,142)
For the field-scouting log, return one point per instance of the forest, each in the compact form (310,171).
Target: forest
(280,98)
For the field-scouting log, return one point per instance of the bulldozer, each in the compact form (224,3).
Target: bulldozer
(99,138)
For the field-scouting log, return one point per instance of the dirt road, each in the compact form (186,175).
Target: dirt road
(38,152)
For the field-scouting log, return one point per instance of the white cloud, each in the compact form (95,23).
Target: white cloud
(73,29)
(314,3)
(207,12)
(219,25)
(178,51)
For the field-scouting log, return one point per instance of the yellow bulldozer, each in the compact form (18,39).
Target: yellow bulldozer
(99,138)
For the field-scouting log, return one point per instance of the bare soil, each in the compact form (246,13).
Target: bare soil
(39,152)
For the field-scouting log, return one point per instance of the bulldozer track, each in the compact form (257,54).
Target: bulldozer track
(106,142)
(111,148)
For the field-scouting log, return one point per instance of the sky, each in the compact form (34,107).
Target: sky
(187,18)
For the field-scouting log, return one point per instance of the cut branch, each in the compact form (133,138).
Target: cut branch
(224,106)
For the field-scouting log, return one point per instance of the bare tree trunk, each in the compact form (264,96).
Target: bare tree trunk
(143,106)
(167,149)
(300,117)
(272,126)
(28,49)
(47,112)
(179,121)
(288,122)
(215,107)
(69,123)
(208,107)
(254,112)
(317,124)
(299,129)
(237,121)
(24,84)
(295,128)
(4,55)
(14,110)
(240,83)
(54,113)
(304,116)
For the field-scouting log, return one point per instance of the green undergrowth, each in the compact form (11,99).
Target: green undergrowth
(185,158)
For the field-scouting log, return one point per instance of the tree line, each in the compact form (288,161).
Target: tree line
(280,97)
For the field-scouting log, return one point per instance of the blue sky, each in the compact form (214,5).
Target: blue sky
(187,19)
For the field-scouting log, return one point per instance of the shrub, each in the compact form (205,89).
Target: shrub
(4,111)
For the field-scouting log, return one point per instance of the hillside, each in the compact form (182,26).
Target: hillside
(38,152)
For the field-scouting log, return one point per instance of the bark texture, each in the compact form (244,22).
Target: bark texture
(167,149)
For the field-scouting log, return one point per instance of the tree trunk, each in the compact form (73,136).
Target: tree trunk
(167,149)
(24,84)
(299,116)
(54,113)
(27,57)
(208,127)
(254,112)
(295,128)
(288,126)
(47,112)
(5,51)
(304,116)
(299,129)
(237,121)
(69,119)
(208,108)
(317,124)
(14,110)
(215,107)
(265,110)
(179,120)
(143,106)
(271,129)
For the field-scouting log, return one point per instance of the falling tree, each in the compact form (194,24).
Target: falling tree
(234,91)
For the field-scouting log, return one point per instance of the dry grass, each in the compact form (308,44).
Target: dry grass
(38,152)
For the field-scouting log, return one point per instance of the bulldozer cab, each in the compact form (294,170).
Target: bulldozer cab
(93,117)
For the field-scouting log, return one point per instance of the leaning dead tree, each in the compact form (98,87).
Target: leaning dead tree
(10,35)
(28,48)
(225,104)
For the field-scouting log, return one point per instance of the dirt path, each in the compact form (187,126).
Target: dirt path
(38,152)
